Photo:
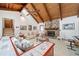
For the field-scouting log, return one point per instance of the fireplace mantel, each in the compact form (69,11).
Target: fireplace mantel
(51,28)
(56,30)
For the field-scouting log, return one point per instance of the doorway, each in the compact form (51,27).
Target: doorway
(8,23)
(8,27)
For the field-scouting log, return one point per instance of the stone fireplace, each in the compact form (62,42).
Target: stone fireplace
(52,33)
(52,28)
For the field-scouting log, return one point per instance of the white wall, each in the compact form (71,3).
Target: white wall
(68,34)
(29,20)
(11,15)
(0,28)
(17,21)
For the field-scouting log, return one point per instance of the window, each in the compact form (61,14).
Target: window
(41,27)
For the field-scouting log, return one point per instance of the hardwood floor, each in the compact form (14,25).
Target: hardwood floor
(8,32)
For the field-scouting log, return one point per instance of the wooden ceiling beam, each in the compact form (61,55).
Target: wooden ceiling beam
(37,12)
(47,11)
(9,6)
(60,9)
(32,15)
(78,10)
(8,9)
(24,5)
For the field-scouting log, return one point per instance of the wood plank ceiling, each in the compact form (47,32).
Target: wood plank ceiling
(52,11)
(12,6)
(42,12)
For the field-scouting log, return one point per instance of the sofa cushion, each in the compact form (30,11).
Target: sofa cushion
(24,44)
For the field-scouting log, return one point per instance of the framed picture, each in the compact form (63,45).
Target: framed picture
(30,27)
(34,27)
(22,27)
(70,26)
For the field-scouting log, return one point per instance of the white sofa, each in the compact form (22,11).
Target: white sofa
(23,45)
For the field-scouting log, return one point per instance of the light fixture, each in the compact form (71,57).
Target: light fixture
(22,18)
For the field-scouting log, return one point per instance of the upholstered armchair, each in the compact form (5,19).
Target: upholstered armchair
(77,42)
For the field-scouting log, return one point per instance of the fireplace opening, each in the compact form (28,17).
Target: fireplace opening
(51,33)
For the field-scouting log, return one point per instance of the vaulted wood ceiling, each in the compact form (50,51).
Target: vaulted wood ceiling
(52,11)
(42,12)
(12,6)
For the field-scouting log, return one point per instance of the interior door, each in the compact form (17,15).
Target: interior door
(8,23)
